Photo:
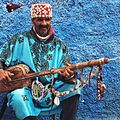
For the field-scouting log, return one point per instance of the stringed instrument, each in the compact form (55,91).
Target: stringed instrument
(23,78)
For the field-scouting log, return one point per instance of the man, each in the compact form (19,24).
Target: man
(40,49)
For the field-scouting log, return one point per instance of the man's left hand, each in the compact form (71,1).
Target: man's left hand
(67,73)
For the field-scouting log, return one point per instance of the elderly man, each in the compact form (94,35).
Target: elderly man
(40,49)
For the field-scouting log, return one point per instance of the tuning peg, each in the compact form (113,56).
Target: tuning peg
(12,7)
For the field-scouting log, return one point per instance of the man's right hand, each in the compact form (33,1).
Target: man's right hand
(5,75)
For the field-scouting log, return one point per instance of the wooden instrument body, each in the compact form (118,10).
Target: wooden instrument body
(19,71)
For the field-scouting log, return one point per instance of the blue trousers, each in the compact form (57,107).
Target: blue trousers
(69,109)
(22,103)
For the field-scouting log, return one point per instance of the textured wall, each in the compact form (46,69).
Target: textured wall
(91,29)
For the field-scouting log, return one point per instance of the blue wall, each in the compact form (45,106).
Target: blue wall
(91,29)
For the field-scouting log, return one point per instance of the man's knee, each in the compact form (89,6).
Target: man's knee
(69,108)
(30,118)
(71,101)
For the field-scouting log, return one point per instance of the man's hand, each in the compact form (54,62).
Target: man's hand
(67,72)
(5,75)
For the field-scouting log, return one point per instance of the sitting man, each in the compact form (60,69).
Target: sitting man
(40,49)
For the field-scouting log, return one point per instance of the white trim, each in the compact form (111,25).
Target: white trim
(40,37)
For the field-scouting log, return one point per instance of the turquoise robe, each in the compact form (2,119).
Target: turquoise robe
(25,48)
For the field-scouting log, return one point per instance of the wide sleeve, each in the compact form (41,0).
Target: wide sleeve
(6,52)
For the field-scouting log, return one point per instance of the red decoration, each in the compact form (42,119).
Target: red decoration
(41,10)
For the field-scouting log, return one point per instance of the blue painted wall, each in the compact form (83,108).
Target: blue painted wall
(91,29)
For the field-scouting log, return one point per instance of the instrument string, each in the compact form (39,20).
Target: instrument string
(115,58)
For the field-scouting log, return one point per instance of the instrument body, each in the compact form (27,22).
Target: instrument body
(39,92)
(19,71)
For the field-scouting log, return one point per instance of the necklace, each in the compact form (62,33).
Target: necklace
(40,37)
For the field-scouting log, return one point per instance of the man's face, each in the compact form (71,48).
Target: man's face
(42,25)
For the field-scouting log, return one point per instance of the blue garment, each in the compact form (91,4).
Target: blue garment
(38,55)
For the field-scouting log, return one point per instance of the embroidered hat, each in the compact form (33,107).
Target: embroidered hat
(41,10)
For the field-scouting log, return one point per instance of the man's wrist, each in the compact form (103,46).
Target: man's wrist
(1,67)
(69,78)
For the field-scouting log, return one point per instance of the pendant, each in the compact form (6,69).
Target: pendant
(57,101)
